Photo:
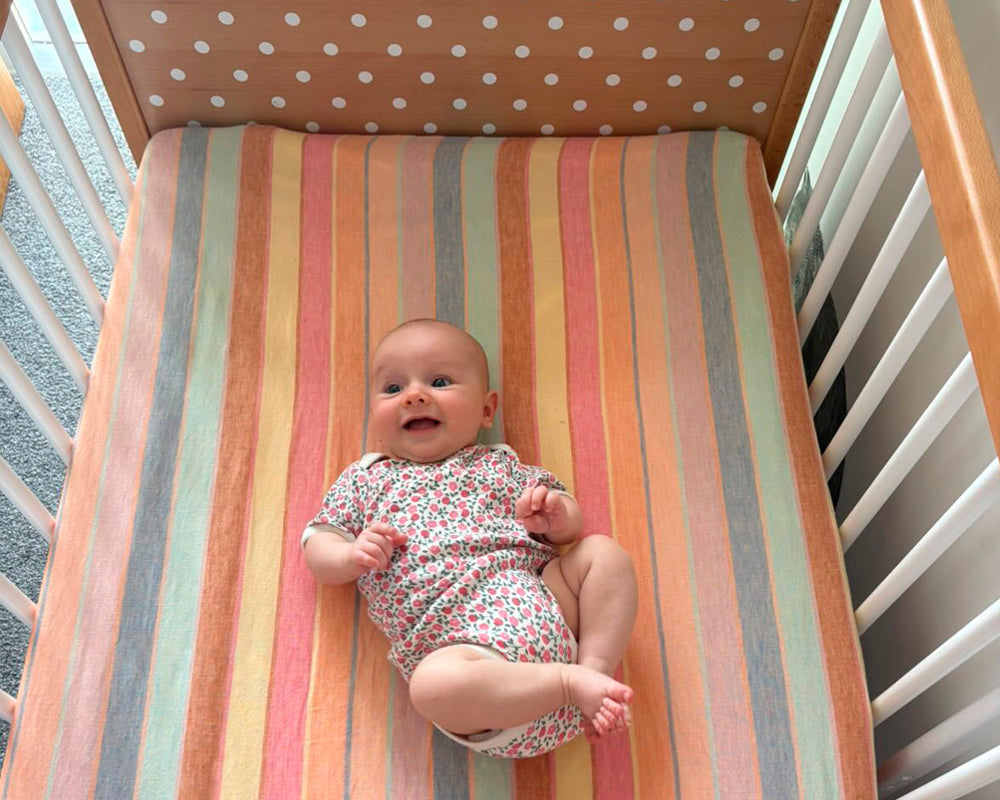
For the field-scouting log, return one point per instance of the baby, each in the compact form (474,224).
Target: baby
(453,544)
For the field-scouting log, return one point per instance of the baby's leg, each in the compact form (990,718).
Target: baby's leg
(596,589)
(465,691)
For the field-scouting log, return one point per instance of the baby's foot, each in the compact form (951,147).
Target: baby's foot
(603,700)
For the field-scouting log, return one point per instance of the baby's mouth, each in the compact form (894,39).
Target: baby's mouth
(421,423)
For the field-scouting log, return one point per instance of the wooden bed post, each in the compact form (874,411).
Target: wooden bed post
(961,174)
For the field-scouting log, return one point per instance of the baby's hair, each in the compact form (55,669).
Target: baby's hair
(484,362)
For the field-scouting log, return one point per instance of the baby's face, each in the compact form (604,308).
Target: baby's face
(429,397)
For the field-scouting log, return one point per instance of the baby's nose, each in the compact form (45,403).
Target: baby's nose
(413,396)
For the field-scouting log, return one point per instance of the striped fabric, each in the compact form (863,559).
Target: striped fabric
(632,296)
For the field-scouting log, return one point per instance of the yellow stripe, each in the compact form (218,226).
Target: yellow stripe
(556,453)
(252,668)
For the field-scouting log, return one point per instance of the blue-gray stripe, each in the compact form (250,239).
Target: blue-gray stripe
(768,698)
(449,255)
(133,649)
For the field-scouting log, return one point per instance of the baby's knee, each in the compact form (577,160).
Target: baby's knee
(608,552)
(433,682)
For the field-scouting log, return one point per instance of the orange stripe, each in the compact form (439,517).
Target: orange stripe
(209,698)
(417,224)
(841,650)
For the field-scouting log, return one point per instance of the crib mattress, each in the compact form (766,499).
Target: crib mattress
(632,296)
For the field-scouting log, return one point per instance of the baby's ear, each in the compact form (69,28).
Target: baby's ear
(490,408)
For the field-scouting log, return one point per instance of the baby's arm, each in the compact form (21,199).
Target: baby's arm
(335,560)
(551,513)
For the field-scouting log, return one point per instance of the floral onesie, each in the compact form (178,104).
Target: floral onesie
(468,574)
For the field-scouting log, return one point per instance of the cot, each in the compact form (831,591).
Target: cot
(632,292)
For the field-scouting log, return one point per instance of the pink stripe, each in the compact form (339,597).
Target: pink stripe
(93,649)
(289,687)
(417,250)
(411,747)
(716,593)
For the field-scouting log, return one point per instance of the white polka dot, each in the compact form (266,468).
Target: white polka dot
(458,50)
(241,75)
(201,47)
(713,53)
(365,76)
(489,78)
(751,25)
(489,128)
(759,107)
(520,104)
(585,52)
(776,54)
(736,81)
(427,77)
(620,24)
(613,80)
(302,76)
(371,127)
(555,23)
(551,79)
(675,81)
(663,129)
(605,130)
(266,48)
(278,102)
(700,106)
(547,129)
(579,105)
(359,20)
(226,18)
(331,49)
(723,128)
(177,74)
(312,127)
(649,53)
(338,102)
(424,21)
(490,22)
(193,123)
(459,103)
(430,127)
(522,51)
(639,105)
(394,50)
(293,19)
(686,24)
(158,17)
(217,100)
(136,46)
(155,100)
(398,102)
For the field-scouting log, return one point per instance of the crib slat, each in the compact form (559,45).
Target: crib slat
(26,177)
(25,501)
(39,308)
(910,333)
(855,214)
(973,774)
(19,52)
(16,602)
(854,16)
(969,507)
(956,390)
(940,744)
(31,401)
(972,638)
(77,75)
(910,217)
(843,141)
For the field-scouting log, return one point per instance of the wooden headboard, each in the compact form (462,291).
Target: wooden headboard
(504,67)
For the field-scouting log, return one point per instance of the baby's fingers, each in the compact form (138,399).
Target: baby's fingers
(389,532)
(522,508)
(371,554)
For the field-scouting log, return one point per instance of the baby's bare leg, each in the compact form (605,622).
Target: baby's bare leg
(596,589)
(465,691)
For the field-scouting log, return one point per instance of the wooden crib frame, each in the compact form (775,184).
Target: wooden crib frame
(960,182)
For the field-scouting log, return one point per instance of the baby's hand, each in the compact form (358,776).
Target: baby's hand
(541,510)
(373,547)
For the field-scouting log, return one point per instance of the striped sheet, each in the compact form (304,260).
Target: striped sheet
(632,297)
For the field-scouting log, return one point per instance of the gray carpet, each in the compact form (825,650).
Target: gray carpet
(22,551)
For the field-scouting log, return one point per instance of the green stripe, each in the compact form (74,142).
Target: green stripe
(492,777)
(783,526)
(172,661)
(479,216)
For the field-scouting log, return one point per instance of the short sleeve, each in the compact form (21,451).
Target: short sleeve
(343,509)
(527,476)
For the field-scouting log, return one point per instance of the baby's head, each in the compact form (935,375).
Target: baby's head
(430,390)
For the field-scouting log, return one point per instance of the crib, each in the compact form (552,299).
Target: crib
(617,201)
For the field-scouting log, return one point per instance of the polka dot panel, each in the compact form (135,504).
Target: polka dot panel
(648,66)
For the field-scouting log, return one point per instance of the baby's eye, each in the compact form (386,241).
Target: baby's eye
(392,388)
(440,382)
